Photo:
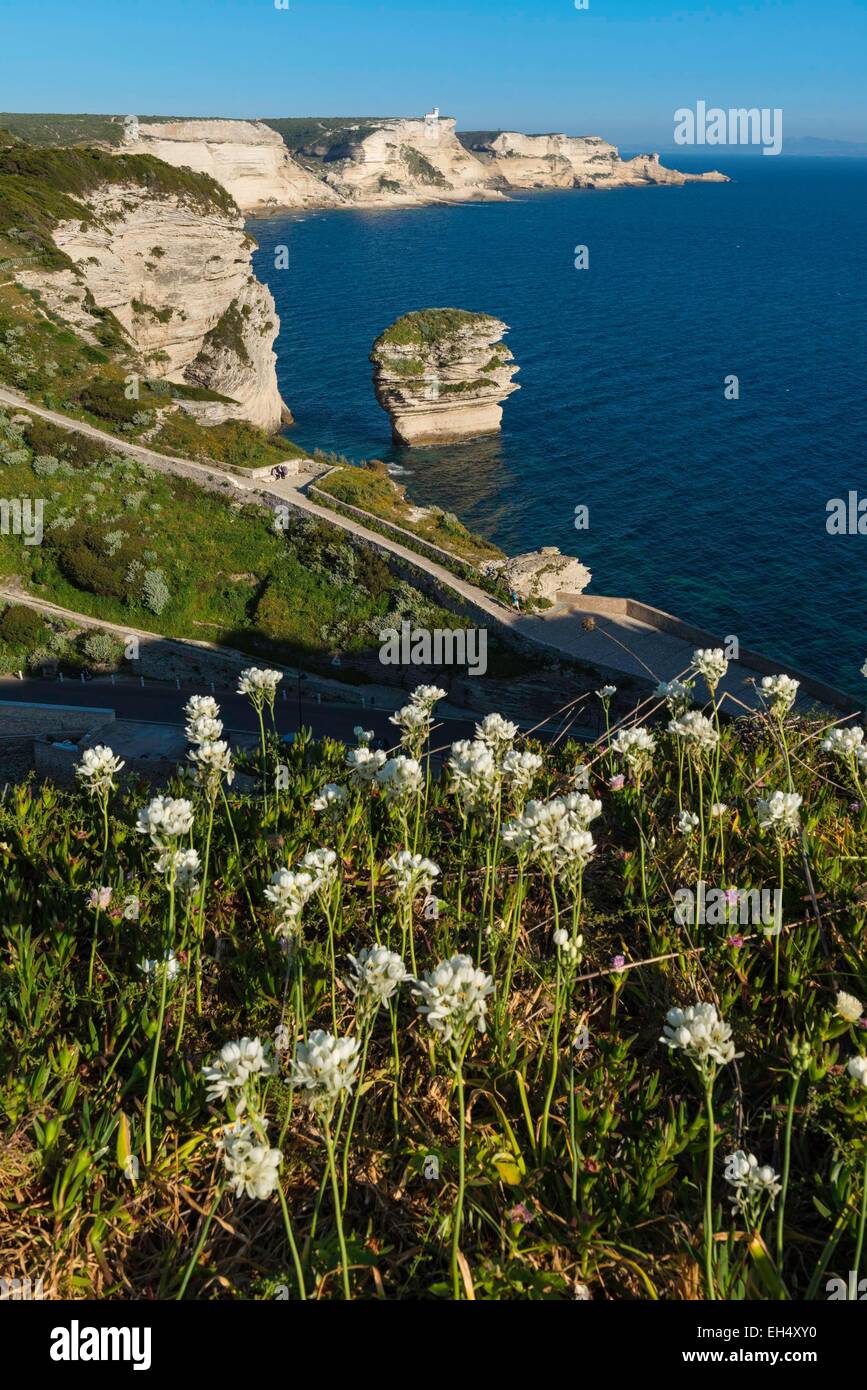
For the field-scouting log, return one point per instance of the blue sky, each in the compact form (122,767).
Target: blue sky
(618,69)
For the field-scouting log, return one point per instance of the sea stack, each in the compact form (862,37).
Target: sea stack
(441,375)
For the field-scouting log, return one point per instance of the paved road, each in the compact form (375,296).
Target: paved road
(163,704)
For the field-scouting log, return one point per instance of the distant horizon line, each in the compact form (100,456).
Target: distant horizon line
(831,143)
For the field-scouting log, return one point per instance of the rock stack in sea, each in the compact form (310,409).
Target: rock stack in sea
(441,375)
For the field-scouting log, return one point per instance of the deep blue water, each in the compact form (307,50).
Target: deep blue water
(712,509)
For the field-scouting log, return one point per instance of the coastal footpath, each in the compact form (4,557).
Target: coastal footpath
(616,635)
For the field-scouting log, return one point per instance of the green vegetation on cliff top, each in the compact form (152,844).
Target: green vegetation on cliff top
(40,187)
(427,328)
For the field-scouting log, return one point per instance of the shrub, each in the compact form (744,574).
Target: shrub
(21,625)
(101,648)
(155,591)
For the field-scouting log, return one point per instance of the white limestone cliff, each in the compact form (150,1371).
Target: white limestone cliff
(248,158)
(542,574)
(566,161)
(441,375)
(177,277)
(400,162)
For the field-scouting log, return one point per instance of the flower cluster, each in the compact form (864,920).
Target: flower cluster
(846,743)
(782,691)
(498,733)
(712,664)
(325,1068)
(696,732)
(780,813)
(636,747)
(252,1165)
(234,1073)
(474,774)
(181,867)
(555,831)
(165,820)
(676,694)
(411,873)
(751,1183)
(363,764)
(415,718)
(400,779)
(331,800)
(260,686)
(701,1034)
(454,999)
(289,892)
(377,974)
(210,754)
(98,769)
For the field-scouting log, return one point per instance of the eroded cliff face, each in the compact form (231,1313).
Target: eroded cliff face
(178,279)
(392,163)
(566,161)
(441,375)
(407,161)
(248,158)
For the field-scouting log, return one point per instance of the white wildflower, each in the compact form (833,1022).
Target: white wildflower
(166,818)
(253,1166)
(453,999)
(848,1007)
(288,892)
(204,729)
(676,694)
(400,778)
(712,664)
(325,1068)
(498,733)
(363,764)
(699,1031)
(844,743)
(782,691)
(687,823)
(377,974)
(154,969)
(780,812)
(180,865)
(331,799)
(98,769)
(227,1076)
(260,685)
(412,873)
(201,706)
(696,732)
(636,747)
(751,1182)
(857,1069)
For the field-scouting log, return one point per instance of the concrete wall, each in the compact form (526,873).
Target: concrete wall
(19,719)
(700,637)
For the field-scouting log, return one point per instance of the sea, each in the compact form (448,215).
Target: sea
(699,388)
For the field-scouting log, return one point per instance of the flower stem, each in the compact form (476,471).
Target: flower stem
(338,1208)
(708,1196)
